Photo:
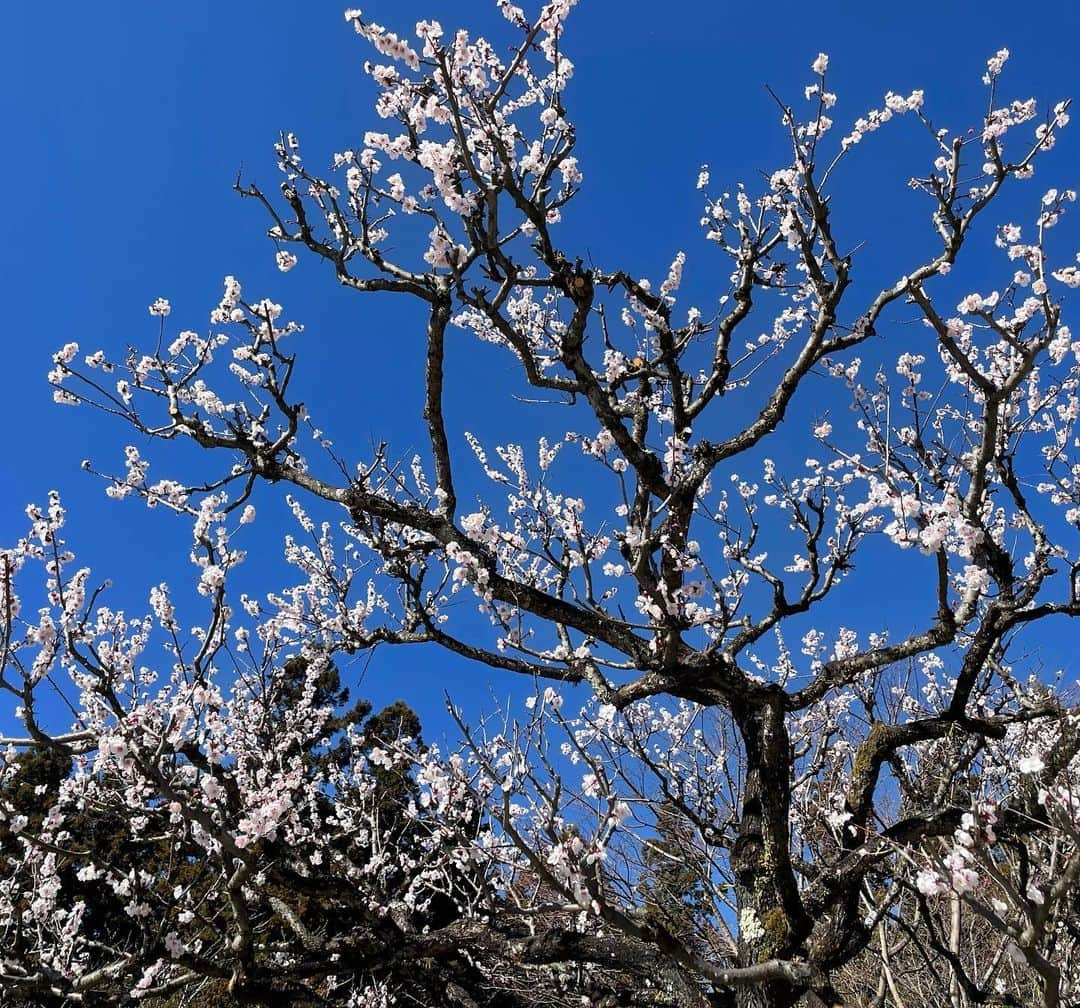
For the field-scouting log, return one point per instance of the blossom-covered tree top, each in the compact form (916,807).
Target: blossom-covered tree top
(826,779)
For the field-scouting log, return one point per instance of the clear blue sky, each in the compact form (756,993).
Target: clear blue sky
(126,122)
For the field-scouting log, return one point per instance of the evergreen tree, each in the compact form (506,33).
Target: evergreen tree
(674,878)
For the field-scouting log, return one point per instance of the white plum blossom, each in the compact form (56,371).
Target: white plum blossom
(749,557)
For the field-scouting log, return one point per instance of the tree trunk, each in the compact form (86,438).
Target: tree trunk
(771,996)
(772,923)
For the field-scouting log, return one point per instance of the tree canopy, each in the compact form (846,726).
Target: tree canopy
(724,789)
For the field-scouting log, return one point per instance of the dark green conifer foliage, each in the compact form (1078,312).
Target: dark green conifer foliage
(673,879)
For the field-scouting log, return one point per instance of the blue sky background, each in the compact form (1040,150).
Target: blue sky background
(127,122)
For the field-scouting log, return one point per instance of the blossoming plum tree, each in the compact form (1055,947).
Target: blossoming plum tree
(841,793)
